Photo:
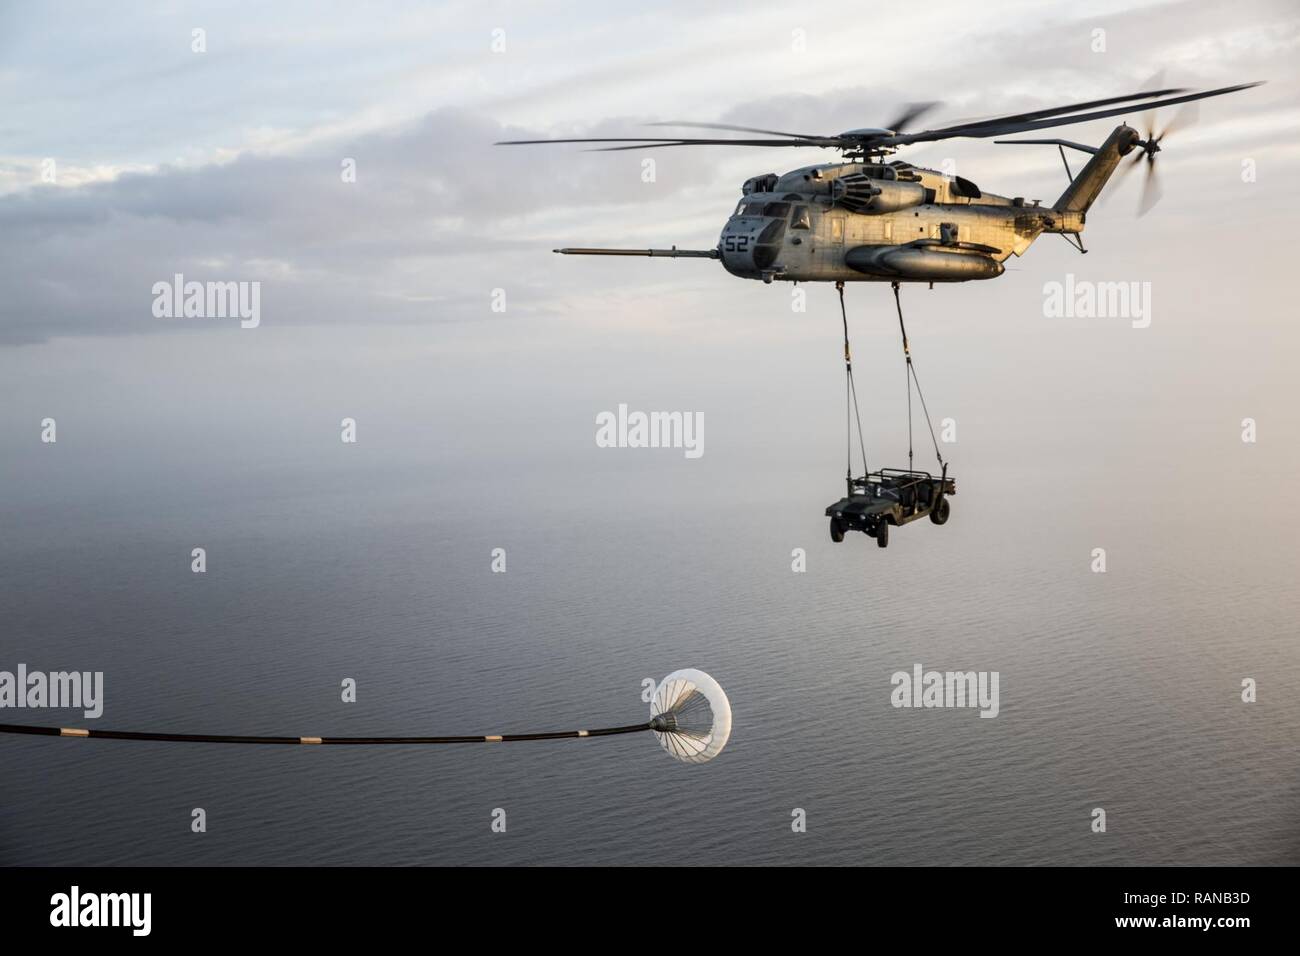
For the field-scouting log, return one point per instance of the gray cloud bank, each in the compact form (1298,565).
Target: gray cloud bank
(430,225)
(438,217)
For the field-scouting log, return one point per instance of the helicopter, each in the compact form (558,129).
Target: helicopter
(869,218)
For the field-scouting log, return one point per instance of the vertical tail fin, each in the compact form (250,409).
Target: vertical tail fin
(1086,187)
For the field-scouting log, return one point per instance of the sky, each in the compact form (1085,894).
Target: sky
(227,165)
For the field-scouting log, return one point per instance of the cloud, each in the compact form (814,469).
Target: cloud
(437,214)
(438,217)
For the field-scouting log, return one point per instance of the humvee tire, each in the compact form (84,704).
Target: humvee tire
(837,530)
(939,514)
(882,534)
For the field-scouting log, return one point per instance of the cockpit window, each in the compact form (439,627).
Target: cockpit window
(777,209)
(749,209)
(800,219)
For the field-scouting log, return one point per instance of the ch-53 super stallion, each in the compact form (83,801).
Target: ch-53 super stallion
(868,219)
(871,219)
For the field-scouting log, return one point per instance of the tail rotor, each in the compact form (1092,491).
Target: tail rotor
(1146,149)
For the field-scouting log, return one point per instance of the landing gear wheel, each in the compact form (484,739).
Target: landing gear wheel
(882,534)
(940,512)
(837,530)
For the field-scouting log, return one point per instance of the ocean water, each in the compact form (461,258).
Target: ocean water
(1118,690)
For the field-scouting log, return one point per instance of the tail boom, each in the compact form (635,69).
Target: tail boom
(1084,189)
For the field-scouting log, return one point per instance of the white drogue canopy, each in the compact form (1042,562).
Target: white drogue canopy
(691,716)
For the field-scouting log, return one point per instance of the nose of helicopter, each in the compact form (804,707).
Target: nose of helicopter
(751,245)
(737,243)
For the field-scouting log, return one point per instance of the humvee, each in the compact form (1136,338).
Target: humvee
(890,496)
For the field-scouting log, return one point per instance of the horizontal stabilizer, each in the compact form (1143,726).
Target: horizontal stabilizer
(1048,142)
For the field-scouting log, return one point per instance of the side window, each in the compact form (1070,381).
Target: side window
(837,229)
(800,219)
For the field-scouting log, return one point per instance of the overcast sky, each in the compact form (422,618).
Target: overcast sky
(226,165)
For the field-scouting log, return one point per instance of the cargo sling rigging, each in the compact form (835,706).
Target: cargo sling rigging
(852,413)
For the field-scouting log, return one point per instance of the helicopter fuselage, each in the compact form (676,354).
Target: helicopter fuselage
(894,222)
(870,221)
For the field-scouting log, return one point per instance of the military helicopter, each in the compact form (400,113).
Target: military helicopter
(869,219)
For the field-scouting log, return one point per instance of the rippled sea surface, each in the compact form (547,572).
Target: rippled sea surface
(1118,690)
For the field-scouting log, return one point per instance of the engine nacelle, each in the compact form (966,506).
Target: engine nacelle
(858,193)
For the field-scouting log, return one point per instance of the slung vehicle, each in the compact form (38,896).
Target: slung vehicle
(890,496)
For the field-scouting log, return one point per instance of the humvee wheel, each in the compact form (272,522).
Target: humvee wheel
(837,530)
(882,534)
(939,514)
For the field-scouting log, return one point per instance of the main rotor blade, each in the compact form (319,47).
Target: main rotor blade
(596,139)
(1057,110)
(998,126)
(995,128)
(826,143)
(911,113)
(736,129)
(649,142)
